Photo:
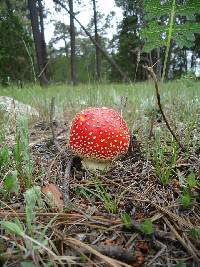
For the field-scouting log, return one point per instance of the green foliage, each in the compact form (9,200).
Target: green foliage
(21,153)
(12,227)
(83,258)
(188,184)
(27,264)
(180,264)
(14,60)
(156,30)
(109,202)
(128,43)
(191,180)
(164,158)
(186,199)
(169,21)
(32,197)
(4,156)
(126,220)
(11,183)
(147,227)
(195,232)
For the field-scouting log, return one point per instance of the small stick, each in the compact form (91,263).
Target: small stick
(153,75)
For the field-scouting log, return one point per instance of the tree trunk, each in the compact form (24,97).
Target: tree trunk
(158,64)
(42,37)
(73,43)
(98,53)
(185,60)
(168,61)
(37,41)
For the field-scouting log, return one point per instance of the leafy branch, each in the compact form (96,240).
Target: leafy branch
(167,22)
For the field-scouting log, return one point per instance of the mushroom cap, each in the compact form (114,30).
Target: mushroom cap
(99,133)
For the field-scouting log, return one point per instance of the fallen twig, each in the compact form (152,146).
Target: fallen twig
(153,75)
(108,260)
(182,241)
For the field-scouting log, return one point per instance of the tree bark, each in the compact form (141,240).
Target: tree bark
(98,53)
(158,65)
(37,41)
(42,37)
(73,44)
(168,61)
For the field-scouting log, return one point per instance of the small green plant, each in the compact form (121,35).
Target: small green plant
(33,238)
(32,198)
(180,264)
(147,227)
(21,153)
(195,232)
(186,199)
(83,258)
(164,158)
(4,156)
(13,227)
(191,180)
(126,219)
(30,245)
(109,202)
(11,183)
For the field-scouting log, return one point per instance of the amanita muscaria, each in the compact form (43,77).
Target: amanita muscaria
(99,136)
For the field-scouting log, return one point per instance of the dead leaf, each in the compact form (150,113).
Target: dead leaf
(142,246)
(139,259)
(53,193)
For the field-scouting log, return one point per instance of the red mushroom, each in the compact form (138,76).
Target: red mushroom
(99,136)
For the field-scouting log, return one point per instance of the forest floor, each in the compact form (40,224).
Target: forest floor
(145,211)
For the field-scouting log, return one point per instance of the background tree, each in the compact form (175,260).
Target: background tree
(98,52)
(127,41)
(36,16)
(14,41)
(72,44)
(61,33)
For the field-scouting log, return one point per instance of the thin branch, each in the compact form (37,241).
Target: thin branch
(153,75)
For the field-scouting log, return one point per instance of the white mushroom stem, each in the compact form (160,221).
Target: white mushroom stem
(95,165)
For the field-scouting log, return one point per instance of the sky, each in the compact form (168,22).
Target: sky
(86,12)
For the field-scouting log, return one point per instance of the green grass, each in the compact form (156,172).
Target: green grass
(180,100)
(180,95)
(137,103)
